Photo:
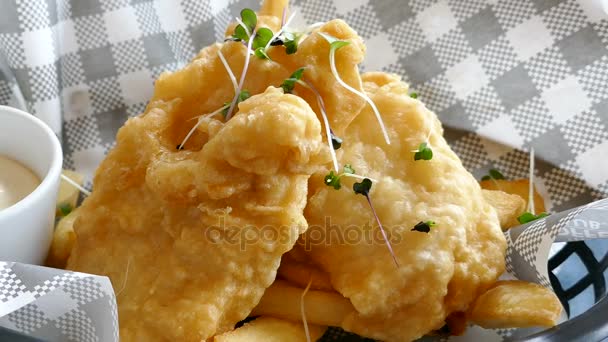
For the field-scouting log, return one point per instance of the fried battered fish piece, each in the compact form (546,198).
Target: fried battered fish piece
(192,238)
(439,272)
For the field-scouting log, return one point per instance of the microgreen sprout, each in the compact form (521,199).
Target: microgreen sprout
(262,37)
(242,95)
(424,227)
(363,188)
(65,209)
(290,83)
(424,152)
(200,120)
(228,70)
(336,142)
(530,215)
(334,45)
(242,79)
(328,131)
(287,36)
(76,185)
(302,311)
(493,174)
(333,179)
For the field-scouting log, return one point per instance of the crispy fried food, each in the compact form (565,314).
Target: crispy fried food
(440,272)
(519,187)
(313,53)
(301,272)
(508,207)
(179,233)
(457,323)
(269,329)
(63,241)
(515,303)
(282,300)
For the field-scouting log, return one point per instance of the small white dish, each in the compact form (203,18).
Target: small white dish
(26,228)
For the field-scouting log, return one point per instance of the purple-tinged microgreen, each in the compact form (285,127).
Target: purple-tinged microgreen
(363,188)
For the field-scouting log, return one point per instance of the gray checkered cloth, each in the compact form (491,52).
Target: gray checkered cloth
(503,75)
(57,305)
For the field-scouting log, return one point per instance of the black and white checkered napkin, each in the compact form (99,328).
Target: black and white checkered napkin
(503,75)
(57,305)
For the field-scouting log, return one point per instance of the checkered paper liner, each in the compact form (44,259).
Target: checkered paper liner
(503,76)
(57,305)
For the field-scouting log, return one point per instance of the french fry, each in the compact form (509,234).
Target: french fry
(269,329)
(282,300)
(63,241)
(516,304)
(508,207)
(518,187)
(300,273)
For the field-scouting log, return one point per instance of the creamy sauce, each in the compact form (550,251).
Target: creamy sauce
(16,182)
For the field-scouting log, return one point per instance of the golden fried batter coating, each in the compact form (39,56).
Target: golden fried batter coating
(154,222)
(440,272)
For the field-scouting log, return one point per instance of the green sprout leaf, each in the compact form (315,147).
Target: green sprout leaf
(262,37)
(249,18)
(424,227)
(291,42)
(414,95)
(336,142)
(65,209)
(424,152)
(243,95)
(260,53)
(333,180)
(529,217)
(240,34)
(349,169)
(290,83)
(493,174)
(363,187)
(334,43)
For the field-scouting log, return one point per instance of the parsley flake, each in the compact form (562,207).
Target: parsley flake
(414,95)
(424,227)
(424,152)
(529,217)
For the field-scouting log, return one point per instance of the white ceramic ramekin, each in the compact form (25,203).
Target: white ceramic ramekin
(26,228)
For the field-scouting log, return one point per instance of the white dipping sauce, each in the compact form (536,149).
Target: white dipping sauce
(16,182)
